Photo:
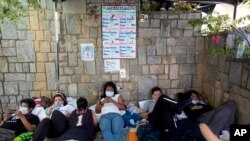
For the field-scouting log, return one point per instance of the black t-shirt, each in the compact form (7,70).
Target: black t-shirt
(15,123)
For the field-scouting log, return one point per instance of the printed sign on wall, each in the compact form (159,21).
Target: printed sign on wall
(119,31)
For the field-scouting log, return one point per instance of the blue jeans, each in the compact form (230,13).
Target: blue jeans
(111,125)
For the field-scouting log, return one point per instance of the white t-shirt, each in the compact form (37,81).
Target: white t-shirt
(66,110)
(110,107)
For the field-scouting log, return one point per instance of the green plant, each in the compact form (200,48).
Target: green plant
(239,40)
(184,6)
(246,53)
(148,6)
(13,10)
(222,51)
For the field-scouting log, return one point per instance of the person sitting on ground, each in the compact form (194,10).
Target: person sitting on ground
(162,116)
(197,107)
(21,120)
(82,123)
(57,121)
(111,122)
(217,121)
(149,105)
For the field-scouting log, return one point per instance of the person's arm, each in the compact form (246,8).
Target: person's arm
(207,133)
(95,122)
(120,104)
(6,116)
(145,110)
(25,122)
(98,106)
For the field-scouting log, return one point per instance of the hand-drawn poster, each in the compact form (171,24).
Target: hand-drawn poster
(119,31)
(111,65)
(87,52)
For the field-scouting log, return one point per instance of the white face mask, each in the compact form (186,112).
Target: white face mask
(109,94)
(195,101)
(57,106)
(24,110)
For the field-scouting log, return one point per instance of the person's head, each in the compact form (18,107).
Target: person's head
(194,95)
(81,103)
(156,93)
(109,89)
(59,99)
(27,105)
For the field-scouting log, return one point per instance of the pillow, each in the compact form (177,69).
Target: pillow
(141,103)
(40,112)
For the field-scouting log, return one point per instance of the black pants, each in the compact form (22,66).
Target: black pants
(53,127)
(162,116)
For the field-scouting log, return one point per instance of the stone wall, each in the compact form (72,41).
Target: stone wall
(226,79)
(169,54)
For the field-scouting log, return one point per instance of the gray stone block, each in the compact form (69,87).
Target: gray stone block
(135,70)
(155,22)
(32,67)
(183,24)
(165,28)
(188,41)
(15,77)
(9,51)
(95,78)
(190,55)
(12,67)
(72,59)
(25,51)
(24,35)
(176,32)
(31,77)
(149,32)
(171,41)
(235,73)
(72,90)
(73,24)
(178,50)
(90,67)
(23,23)
(180,59)
(1,88)
(8,31)
(160,46)
(26,67)
(156,69)
(174,69)
(25,86)
(194,15)
(141,55)
(51,76)
(83,90)
(145,84)
(188,68)
(154,60)
(75,6)
(11,88)
(186,81)
(151,50)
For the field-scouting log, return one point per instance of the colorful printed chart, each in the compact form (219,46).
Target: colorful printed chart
(119,31)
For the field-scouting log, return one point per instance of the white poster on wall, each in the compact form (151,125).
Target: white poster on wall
(119,31)
(88,52)
(112,65)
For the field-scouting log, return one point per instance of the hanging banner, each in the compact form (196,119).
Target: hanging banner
(119,31)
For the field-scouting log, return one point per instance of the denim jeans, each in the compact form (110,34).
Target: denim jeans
(111,125)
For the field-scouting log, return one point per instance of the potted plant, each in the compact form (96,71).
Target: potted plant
(146,7)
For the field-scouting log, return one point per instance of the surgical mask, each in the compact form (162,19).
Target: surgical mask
(195,101)
(109,94)
(57,106)
(24,110)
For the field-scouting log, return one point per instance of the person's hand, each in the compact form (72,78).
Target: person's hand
(111,100)
(106,100)
(196,107)
(7,114)
(144,114)
(19,113)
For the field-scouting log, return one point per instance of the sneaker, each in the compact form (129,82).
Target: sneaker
(163,9)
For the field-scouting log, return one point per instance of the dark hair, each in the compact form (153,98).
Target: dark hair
(31,103)
(109,84)
(82,103)
(62,95)
(155,89)
(190,92)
